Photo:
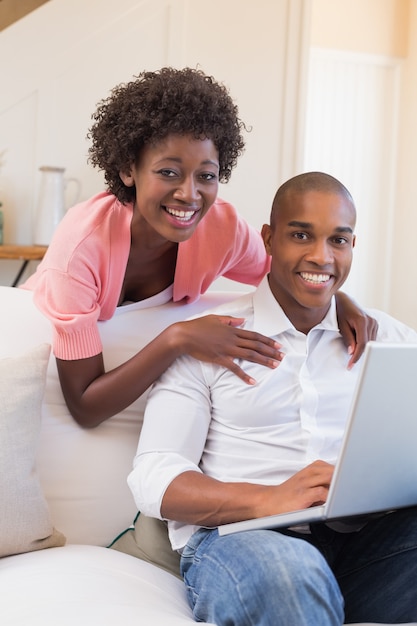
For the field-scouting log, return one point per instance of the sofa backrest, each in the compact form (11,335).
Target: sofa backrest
(83,472)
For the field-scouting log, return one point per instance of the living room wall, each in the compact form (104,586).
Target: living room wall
(63,65)
(404,249)
(61,59)
(385,29)
(370,26)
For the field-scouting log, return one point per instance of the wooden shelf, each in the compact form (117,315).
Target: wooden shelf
(22,253)
(25,253)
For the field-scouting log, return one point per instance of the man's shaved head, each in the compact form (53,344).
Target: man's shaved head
(309,181)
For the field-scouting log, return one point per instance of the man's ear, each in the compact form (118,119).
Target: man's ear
(354,241)
(266,233)
(127,178)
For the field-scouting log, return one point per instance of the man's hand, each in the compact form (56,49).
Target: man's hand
(308,487)
(194,498)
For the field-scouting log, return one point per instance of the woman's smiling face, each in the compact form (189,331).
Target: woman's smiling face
(176,183)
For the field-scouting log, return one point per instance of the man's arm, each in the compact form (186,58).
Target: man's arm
(195,498)
(167,481)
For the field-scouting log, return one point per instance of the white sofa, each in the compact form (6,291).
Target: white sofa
(82,474)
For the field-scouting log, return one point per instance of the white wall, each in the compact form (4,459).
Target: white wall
(58,62)
(374,151)
(352,133)
(366,26)
(404,251)
(64,57)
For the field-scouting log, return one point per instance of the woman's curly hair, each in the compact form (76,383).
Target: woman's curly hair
(155,105)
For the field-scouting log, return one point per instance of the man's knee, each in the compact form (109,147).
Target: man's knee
(258,576)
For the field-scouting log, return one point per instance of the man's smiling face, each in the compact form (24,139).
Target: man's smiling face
(311,243)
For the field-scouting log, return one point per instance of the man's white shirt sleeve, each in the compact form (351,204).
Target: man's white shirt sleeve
(170,442)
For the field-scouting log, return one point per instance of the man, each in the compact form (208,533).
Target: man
(214,450)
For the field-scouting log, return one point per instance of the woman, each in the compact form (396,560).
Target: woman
(164,141)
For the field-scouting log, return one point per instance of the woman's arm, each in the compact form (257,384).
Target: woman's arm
(356,327)
(93,395)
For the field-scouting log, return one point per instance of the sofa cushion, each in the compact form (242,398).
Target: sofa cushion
(25,522)
(148,540)
(89,586)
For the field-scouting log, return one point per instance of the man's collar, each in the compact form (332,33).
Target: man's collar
(270,319)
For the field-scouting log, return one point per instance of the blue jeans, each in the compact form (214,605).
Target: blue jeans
(283,578)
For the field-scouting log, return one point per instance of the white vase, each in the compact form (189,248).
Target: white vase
(51,205)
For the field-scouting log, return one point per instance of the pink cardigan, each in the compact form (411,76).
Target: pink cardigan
(80,278)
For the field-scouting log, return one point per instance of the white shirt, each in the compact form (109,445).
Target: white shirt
(201,417)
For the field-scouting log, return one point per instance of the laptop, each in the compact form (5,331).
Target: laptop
(377,466)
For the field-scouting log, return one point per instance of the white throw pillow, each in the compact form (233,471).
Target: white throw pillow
(25,523)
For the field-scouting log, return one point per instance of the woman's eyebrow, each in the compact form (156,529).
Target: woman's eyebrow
(175,159)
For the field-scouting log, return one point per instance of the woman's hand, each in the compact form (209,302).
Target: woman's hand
(219,339)
(356,327)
